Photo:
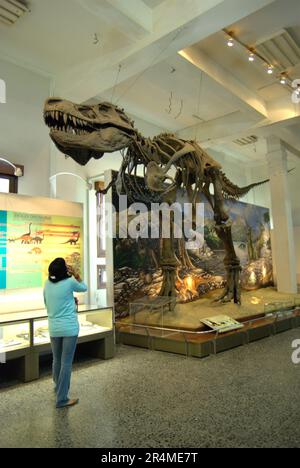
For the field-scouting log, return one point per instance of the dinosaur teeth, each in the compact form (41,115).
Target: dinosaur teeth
(65,119)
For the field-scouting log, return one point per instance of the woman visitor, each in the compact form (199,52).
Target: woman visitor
(63,325)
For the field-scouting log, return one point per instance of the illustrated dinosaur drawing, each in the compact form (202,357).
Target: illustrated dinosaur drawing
(35,251)
(84,132)
(25,238)
(38,238)
(74,239)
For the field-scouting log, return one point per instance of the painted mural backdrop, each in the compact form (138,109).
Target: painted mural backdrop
(29,242)
(136,261)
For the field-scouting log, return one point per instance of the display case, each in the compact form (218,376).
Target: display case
(91,322)
(24,337)
(14,336)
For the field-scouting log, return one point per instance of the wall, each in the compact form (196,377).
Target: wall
(24,138)
(297,244)
(23,135)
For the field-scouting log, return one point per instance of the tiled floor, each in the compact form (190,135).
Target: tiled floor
(247,397)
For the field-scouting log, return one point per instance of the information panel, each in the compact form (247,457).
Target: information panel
(29,242)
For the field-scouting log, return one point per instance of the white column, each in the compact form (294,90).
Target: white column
(283,238)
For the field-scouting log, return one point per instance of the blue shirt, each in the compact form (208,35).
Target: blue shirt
(61,307)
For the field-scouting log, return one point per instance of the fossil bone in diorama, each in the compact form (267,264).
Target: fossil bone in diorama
(84,132)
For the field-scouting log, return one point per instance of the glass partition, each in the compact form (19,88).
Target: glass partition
(14,336)
(90,323)
(95,322)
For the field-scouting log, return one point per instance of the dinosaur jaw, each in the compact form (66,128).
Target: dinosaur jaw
(83,145)
(83,138)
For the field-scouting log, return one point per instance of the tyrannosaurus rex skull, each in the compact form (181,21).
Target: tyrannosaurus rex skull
(84,132)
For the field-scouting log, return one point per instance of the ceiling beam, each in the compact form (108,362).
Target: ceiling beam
(134,23)
(239,124)
(175,27)
(137,11)
(250,100)
(291,149)
(220,129)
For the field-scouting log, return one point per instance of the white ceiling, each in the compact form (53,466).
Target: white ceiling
(153,3)
(193,93)
(235,59)
(57,36)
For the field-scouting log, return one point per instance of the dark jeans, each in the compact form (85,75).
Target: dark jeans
(63,350)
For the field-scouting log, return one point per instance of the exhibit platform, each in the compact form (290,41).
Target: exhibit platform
(263,313)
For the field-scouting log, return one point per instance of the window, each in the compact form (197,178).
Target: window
(4,185)
(8,183)
(8,179)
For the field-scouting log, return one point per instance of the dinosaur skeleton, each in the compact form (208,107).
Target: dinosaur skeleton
(83,132)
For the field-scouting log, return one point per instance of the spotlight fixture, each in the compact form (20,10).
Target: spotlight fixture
(230,42)
(254,55)
(283,79)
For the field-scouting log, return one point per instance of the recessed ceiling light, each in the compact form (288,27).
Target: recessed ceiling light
(270,70)
(251,57)
(230,42)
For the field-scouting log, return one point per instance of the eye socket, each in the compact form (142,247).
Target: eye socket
(87,112)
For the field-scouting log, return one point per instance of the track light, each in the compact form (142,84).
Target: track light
(283,80)
(255,56)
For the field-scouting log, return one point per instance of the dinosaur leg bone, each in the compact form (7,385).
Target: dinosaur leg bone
(168,261)
(223,230)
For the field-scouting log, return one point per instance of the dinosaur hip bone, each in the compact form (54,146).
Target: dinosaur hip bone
(84,132)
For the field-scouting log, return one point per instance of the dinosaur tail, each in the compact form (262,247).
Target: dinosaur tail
(231,190)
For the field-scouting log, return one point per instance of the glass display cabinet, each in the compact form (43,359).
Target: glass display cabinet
(91,322)
(26,338)
(14,336)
